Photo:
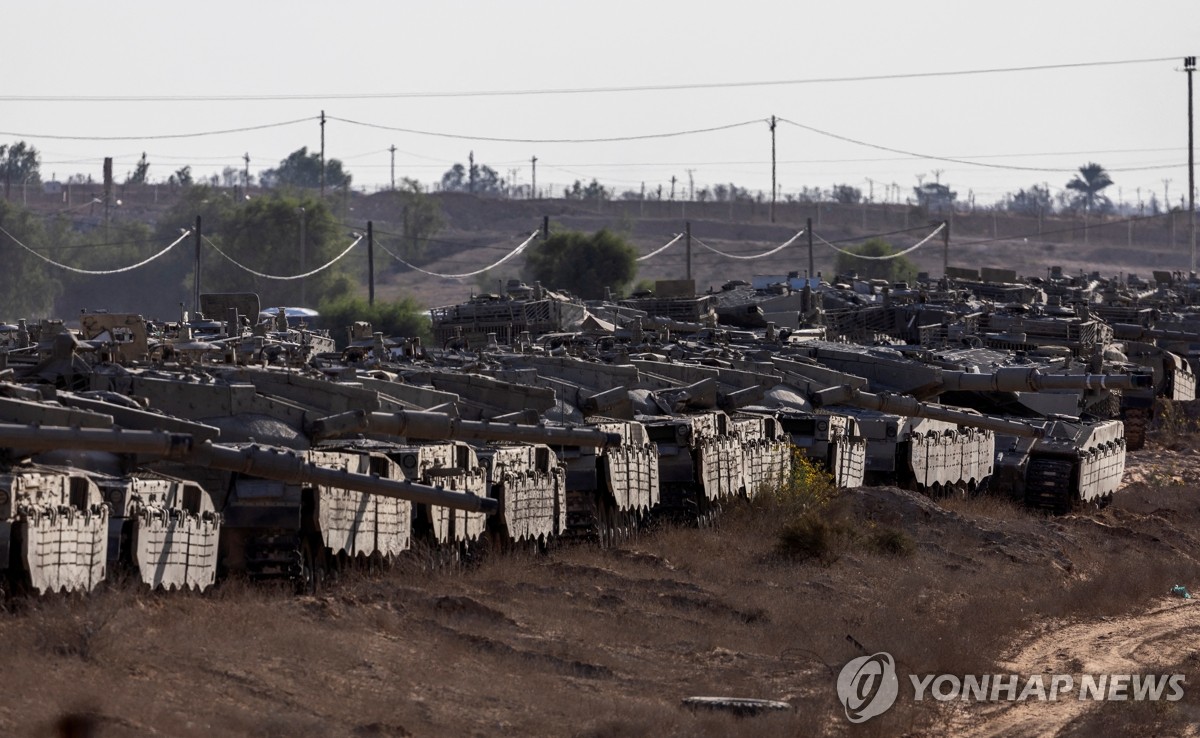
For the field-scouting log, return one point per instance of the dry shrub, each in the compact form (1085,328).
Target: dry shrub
(809,487)
(1176,424)
(889,541)
(805,537)
(989,506)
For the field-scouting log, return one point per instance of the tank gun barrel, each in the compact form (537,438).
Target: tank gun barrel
(1021,379)
(1133,332)
(267,462)
(441,426)
(910,406)
(288,466)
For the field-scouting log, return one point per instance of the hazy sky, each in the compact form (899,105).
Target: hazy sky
(275,62)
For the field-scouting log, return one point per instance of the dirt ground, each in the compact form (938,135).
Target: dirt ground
(607,642)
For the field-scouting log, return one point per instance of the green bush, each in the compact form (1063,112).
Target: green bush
(899,269)
(401,318)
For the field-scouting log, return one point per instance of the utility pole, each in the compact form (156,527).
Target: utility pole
(322,163)
(371,262)
(1189,66)
(471,172)
(393,150)
(772,169)
(246,172)
(812,268)
(196,285)
(533,180)
(672,188)
(687,230)
(945,247)
(691,185)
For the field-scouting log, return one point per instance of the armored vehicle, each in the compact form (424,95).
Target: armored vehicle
(1073,463)
(530,486)
(931,447)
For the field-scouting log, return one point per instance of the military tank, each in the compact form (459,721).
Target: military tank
(530,484)
(700,462)
(56,522)
(934,448)
(1174,378)
(610,473)
(53,530)
(1073,463)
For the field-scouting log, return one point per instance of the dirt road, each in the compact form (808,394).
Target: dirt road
(1152,642)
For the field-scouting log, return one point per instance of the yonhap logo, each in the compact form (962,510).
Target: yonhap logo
(867,686)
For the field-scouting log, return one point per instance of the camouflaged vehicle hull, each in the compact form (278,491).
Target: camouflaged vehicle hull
(53,530)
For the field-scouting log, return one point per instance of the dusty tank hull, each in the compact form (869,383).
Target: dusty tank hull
(611,489)
(531,487)
(766,452)
(166,530)
(1076,463)
(453,466)
(833,440)
(933,456)
(53,530)
(700,462)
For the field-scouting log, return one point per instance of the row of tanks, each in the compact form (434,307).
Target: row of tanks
(191,449)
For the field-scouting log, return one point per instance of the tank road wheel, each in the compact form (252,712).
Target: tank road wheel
(606,525)
(1136,419)
(313,565)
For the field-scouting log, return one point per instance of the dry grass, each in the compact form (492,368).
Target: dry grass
(594,642)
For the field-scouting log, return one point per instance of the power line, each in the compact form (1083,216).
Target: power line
(571,90)
(196,134)
(496,139)
(966,162)
(1069,229)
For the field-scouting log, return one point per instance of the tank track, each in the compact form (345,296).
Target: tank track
(277,556)
(1136,420)
(1048,485)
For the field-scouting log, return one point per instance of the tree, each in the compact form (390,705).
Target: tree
(935,196)
(404,317)
(581,264)
(1034,201)
(1089,183)
(899,269)
(455,179)
(182,177)
(479,178)
(262,234)
(19,164)
(488,181)
(139,173)
(422,217)
(28,285)
(120,243)
(593,191)
(846,195)
(302,169)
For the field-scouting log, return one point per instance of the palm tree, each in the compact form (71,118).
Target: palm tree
(1089,182)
